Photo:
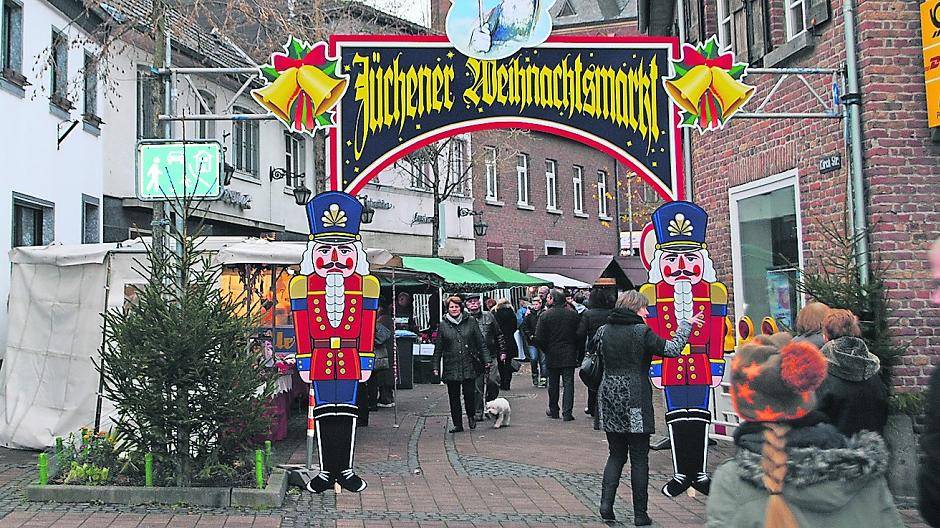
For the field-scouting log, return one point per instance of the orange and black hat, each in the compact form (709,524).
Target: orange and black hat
(775,379)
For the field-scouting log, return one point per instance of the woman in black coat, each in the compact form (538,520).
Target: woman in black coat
(601,302)
(557,336)
(626,398)
(461,347)
(508,350)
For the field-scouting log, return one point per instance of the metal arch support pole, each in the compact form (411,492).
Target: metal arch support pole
(217,117)
(104,343)
(853,104)
(395,374)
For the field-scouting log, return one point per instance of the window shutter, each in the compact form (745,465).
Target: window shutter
(757,26)
(494,253)
(739,28)
(526,257)
(819,12)
(694,21)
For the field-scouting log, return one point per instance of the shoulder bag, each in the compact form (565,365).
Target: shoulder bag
(592,367)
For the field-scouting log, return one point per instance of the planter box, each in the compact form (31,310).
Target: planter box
(271,496)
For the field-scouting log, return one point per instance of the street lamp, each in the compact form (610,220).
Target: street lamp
(479,226)
(368,212)
(301,192)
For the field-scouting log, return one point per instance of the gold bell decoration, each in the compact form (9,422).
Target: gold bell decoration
(707,86)
(303,86)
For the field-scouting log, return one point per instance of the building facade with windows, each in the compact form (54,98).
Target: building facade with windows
(774,187)
(51,139)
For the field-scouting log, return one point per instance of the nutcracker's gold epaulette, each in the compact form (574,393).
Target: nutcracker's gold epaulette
(298,287)
(370,287)
(719,294)
(649,291)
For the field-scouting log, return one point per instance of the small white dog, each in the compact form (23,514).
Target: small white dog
(498,408)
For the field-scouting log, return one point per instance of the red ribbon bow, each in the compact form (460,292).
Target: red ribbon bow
(693,58)
(316,57)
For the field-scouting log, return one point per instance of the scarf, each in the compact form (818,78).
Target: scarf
(623,316)
(456,321)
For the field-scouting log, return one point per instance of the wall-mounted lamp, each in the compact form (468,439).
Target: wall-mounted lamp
(368,212)
(479,226)
(301,192)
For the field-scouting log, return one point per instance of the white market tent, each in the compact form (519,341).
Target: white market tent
(561,281)
(48,381)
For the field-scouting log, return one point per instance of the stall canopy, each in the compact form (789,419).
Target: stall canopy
(628,272)
(260,251)
(453,277)
(560,281)
(505,277)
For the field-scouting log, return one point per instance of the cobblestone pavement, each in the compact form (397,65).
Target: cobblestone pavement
(538,472)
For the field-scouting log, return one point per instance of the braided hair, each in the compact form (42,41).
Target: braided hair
(774,463)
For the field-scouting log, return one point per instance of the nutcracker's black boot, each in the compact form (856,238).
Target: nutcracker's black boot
(679,432)
(345,450)
(701,482)
(324,479)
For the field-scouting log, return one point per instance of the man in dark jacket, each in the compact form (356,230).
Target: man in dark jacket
(537,360)
(490,331)
(929,480)
(557,336)
(601,302)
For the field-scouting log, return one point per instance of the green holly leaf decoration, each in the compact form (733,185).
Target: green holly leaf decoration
(737,71)
(710,50)
(295,49)
(681,69)
(689,118)
(269,73)
(330,68)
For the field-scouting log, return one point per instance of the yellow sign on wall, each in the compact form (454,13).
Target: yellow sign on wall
(930,34)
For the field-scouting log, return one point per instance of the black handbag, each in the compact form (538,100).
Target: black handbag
(515,364)
(592,367)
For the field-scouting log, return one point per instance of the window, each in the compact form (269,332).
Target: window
(489,159)
(90,86)
(90,220)
(295,153)
(147,104)
(33,221)
(59,66)
(551,186)
(245,144)
(796,17)
(554,247)
(456,169)
(766,247)
(206,102)
(602,194)
(578,185)
(422,174)
(522,178)
(11,37)
(725,31)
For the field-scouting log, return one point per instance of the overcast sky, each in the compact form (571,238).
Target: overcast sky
(413,10)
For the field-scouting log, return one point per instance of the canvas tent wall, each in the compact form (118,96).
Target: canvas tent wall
(48,380)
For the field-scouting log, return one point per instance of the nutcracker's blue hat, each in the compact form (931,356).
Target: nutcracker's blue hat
(680,227)
(334,217)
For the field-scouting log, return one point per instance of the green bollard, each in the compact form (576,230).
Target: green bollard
(267,454)
(43,469)
(259,468)
(148,470)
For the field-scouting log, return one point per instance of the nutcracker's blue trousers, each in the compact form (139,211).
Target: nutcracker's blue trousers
(335,391)
(686,397)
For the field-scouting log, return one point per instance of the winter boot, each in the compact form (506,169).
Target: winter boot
(608,494)
(345,449)
(323,480)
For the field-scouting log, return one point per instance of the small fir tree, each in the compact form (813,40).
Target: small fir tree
(178,366)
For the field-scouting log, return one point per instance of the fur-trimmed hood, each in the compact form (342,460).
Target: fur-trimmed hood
(821,479)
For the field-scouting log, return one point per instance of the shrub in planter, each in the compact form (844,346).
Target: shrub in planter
(178,367)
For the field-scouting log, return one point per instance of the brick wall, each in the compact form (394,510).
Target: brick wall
(512,228)
(901,163)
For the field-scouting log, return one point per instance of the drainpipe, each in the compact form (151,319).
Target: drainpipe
(686,137)
(853,103)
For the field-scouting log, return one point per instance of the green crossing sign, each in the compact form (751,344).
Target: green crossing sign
(169,169)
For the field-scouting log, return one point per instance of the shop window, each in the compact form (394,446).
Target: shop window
(33,221)
(492,182)
(766,248)
(90,220)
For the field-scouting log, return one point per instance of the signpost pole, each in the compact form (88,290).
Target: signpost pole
(158,20)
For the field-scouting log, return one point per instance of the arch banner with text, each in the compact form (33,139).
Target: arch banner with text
(406,92)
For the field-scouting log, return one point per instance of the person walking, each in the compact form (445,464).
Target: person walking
(537,360)
(809,323)
(557,336)
(506,320)
(853,395)
(625,408)
(928,479)
(461,348)
(791,469)
(384,376)
(490,330)
(601,301)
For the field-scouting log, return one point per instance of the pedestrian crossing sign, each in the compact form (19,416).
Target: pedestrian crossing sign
(168,170)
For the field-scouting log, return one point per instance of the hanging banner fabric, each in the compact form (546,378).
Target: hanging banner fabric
(406,92)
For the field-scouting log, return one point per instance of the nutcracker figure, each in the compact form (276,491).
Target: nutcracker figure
(334,302)
(682,282)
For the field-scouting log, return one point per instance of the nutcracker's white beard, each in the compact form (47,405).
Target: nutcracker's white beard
(682,295)
(335,298)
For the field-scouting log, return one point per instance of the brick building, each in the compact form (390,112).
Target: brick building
(762,180)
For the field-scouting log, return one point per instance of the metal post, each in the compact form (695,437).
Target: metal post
(158,20)
(395,374)
(104,343)
(686,133)
(616,205)
(853,102)
(630,210)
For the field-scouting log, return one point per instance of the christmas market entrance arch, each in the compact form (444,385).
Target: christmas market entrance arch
(406,92)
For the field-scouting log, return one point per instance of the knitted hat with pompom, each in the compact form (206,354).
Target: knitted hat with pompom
(774,378)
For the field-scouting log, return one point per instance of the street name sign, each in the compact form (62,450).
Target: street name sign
(167,170)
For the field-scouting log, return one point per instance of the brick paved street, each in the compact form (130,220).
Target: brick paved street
(538,472)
